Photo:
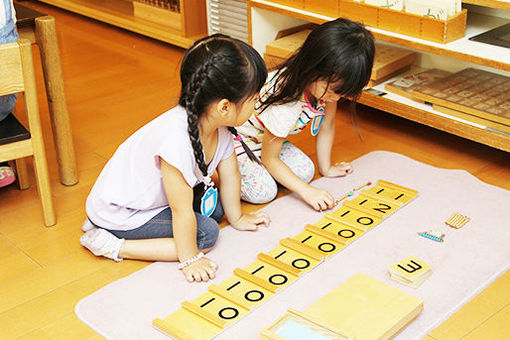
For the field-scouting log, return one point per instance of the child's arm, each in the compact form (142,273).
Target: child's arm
(324,144)
(230,195)
(180,198)
(319,199)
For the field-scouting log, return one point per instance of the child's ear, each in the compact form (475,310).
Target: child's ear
(223,106)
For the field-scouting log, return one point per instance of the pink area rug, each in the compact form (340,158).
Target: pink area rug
(463,265)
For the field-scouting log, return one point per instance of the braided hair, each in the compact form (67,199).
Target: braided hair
(214,68)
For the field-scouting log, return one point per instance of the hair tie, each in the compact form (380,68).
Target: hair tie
(238,138)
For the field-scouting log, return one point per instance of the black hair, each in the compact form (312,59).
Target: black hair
(337,51)
(214,68)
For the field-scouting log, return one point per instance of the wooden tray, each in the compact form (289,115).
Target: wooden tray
(414,80)
(389,60)
(479,93)
(160,16)
(475,119)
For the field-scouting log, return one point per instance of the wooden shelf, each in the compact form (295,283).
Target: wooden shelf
(425,114)
(462,49)
(119,13)
(498,4)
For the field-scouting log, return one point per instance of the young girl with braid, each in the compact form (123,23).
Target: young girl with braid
(335,62)
(155,199)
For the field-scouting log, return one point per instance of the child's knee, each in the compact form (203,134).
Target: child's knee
(207,234)
(305,170)
(257,185)
(259,194)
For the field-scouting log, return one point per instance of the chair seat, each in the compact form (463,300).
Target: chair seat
(11,130)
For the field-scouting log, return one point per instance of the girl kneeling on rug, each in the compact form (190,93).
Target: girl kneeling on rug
(155,200)
(334,62)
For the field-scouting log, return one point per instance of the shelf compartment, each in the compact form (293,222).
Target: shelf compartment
(425,114)
(461,49)
(120,13)
(497,4)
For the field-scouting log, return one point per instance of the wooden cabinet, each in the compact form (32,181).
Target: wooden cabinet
(268,17)
(180,26)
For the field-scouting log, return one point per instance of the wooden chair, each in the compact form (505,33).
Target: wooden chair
(17,75)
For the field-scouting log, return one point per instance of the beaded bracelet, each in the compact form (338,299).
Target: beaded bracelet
(190,260)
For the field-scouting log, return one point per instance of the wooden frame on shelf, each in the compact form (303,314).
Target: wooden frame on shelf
(461,49)
(192,19)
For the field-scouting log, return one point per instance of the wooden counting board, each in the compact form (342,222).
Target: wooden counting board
(480,94)
(227,302)
(414,80)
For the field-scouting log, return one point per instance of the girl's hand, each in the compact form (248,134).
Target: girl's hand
(319,199)
(252,221)
(338,170)
(202,270)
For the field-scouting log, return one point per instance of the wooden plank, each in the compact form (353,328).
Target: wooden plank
(473,118)
(57,302)
(491,138)
(278,264)
(302,248)
(16,266)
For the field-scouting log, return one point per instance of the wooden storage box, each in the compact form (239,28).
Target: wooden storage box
(324,7)
(160,16)
(189,21)
(357,11)
(441,31)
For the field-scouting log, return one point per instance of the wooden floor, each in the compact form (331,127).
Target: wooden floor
(116,82)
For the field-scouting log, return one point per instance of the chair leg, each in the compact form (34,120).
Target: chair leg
(22,173)
(43,186)
(46,37)
(34,122)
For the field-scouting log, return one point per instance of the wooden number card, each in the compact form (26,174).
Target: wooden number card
(184,324)
(246,292)
(354,217)
(293,258)
(215,308)
(335,231)
(381,209)
(391,193)
(323,244)
(274,277)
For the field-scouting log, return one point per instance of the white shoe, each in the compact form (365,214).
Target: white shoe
(87,225)
(102,243)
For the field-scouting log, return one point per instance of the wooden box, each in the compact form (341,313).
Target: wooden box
(441,31)
(324,7)
(366,14)
(345,312)
(399,22)
(189,21)
(160,16)
(444,31)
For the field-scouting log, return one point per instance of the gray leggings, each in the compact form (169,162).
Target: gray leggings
(160,226)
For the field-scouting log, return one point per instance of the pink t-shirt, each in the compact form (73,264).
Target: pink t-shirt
(129,191)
